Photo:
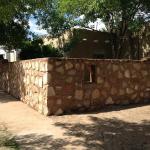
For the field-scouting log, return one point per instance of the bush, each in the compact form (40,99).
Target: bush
(36,49)
(49,51)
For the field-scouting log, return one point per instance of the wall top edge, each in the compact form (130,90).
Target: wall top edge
(78,60)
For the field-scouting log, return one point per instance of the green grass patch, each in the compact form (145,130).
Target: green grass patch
(7,141)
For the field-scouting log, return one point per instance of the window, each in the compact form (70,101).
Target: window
(90,73)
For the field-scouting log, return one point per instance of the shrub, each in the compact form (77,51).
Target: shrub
(36,49)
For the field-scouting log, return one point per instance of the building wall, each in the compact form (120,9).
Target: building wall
(92,43)
(11,56)
(60,41)
(58,86)
(89,43)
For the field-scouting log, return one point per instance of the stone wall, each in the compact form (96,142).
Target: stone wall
(58,86)
(26,80)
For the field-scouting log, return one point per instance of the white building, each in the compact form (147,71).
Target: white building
(11,56)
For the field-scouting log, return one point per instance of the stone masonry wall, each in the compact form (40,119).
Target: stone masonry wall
(26,80)
(58,86)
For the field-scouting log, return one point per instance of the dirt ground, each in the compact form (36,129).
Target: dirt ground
(117,128)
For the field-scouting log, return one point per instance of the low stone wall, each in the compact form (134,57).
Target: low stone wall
(57,86)
(27,80)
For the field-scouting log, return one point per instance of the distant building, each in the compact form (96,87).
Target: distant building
(97,44)
(11,56)
(90,44)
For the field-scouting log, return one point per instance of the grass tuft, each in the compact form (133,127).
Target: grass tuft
(7,141)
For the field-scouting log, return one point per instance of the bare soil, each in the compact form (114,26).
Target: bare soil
(116,128)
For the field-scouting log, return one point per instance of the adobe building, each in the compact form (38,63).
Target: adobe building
(86,43)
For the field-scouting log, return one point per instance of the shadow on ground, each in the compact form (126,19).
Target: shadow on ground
(107,134)
(109,108)
(5,98)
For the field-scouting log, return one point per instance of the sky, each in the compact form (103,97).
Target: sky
(35,28)
(97,25)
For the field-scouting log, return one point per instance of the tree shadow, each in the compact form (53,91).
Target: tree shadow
(109,134)
(99,134)
(40,142)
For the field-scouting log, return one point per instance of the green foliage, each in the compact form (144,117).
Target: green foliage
(49,51)
(111,12)
(14,17)
(12,34)
(51,19)
(122,17)
(10,9)
(36,49)
(6,140)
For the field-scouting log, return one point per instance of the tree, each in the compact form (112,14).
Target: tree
(122,17)
(12,34)
(14,17)
(10,9)
(51,19)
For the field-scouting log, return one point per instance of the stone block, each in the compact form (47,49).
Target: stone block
(60,70)
(120,75)
(127,74)
(129,91)
(79,94)
(86,103)
(72,72)
(144,73)
(68,66)
(51,91)
(69,79)
(107,85)
(109,101)
(133,96)
(87,94)
(46,111)
(77,66)
(40,108)
(59,102)
(36,66)
(113,91)
(40,82)
(100,80)
(36,81)
(50,67)
(43,66)
(115,67)
(124,84)
(59,112)
(58,63)
(95,94)
(45,78)
(137,66)
(121,92)
(104,93)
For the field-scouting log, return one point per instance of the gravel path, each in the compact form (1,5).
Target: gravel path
(111,129)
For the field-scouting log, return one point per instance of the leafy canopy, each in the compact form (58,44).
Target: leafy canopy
(10,9)
(14,17)
(111,12)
